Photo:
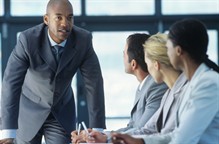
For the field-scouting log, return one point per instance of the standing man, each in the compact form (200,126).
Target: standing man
(37,98)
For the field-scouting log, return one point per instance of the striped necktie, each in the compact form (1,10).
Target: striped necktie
(57,50)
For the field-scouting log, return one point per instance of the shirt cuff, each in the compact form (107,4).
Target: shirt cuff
(108,140)
(98,129)
(8,133)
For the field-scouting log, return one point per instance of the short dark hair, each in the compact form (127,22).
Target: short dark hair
(135,49)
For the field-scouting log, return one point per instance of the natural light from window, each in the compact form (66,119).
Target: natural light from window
(37,7)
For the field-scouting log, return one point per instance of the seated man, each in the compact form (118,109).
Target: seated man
(149,93)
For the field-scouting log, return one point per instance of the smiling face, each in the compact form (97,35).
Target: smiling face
(59,19)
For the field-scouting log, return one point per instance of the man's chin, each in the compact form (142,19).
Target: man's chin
(63,38)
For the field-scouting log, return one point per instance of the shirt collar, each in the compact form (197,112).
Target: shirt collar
(142,83)
(53,43)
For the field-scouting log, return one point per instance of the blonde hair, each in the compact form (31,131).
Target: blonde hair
(156,50)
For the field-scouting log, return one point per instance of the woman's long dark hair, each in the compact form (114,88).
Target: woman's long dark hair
(191,35)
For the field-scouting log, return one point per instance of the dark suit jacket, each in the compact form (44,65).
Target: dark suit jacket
(34,85)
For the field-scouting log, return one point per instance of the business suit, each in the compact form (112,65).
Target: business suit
(33,77)
(198,114)
(164,119)
(147,101)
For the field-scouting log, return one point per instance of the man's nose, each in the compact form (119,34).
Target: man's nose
(64,22)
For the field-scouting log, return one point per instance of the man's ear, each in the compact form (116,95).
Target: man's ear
(133,64)
(179,50)
(45,19)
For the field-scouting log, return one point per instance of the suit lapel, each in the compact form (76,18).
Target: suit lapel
(168,103)
(137,97)
(46,52)
(69,52)
(160,116)
(141,92)
(173,96)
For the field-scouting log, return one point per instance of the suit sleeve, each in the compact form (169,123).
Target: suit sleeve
(12,83)
(93,80)
(128,128)
(157,138)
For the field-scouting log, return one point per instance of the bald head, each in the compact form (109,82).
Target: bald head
(55,3)
(59,19)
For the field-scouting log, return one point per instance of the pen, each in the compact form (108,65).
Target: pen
(79,128)
(85,128)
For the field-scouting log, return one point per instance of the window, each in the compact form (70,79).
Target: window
(0,71)
(37,7)
(212,46)
(120,7)
(190,7)
(1,8)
